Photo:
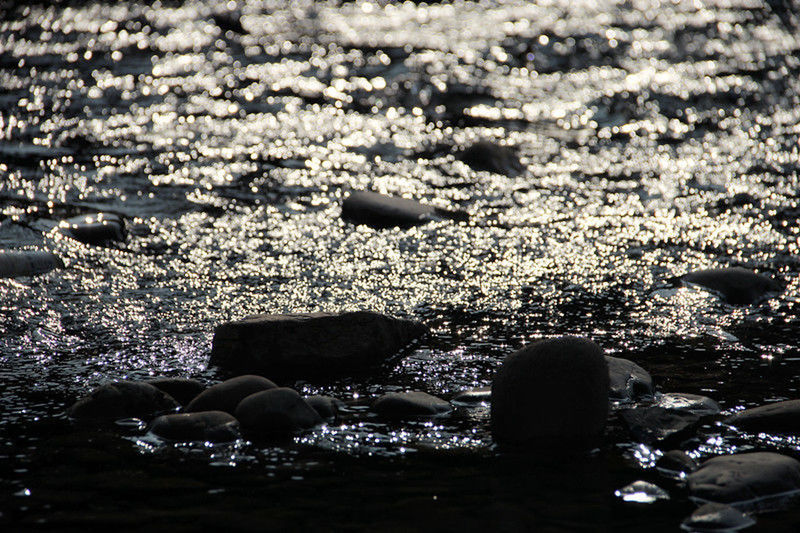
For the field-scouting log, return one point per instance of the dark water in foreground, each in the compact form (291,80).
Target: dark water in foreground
(657,138)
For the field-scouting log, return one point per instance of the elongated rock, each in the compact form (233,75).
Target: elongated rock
(307,345)
(736,285)
(210,426)
(226,396)
(551,394)
(717,517)
(744,477)
(778,417)
(276,412)
(381,211)
(27,263)
(410,405)
(122,399)
(94,229)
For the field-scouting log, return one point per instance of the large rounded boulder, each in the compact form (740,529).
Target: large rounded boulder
(226,396)
(276,413)
(553,393)
(122,399)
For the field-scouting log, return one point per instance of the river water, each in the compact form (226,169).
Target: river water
(654,138)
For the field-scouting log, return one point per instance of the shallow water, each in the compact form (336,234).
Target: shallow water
(657,138)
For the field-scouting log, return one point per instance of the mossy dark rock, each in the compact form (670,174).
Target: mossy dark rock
(412,404)
(744,477)
(122,399)
(627,380)
(736,285)
(551,394)
(382,211)
(778,417)
(208,426)
(276,412)
(226,396)
(184,390)
(326,406)
(302,346)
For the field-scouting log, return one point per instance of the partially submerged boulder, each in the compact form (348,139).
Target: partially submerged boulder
(717,517)
(184,390)
(27,263)
(99,228)
(412,404)
(122,399)
(677,461)
(778,417)
(627,380)
(226,396)
(551,394)
(276,413)
(735,285)
(653,424)
(313,344)
(744,477)
(326,406)
(207,426)
(382,211)
(491,157)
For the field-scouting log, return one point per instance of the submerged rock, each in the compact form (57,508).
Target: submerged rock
(326,406)
(735,285)
(184,390)
(474,396)
(744,477)
(653,424)
(778,417)
(209,426)
(490,157)
(717,517)
(94,229)
(553,393)
(276,412)
(410,405)
(381,211)
(313,344)
(226,396)
(677,461)
(693,403)
(627,380)
(122,399)
(27,263)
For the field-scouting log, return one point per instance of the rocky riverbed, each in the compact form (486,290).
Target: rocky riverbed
(450,183)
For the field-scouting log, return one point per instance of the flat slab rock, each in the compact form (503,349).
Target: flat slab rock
(382,211)
(627,380)
(736,285)
(410,405)
(207,426)
(778,417)
(309,345)
(744,477)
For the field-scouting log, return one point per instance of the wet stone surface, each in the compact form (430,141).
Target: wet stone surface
(602,150)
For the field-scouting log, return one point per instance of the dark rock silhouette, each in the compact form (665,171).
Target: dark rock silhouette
(326,406)
(184,390)
(276,412)
(745,476)
(226,396)
(652,424)
(381,211)
(209,426)
(474,396)
(301,346)
(628,381)
(122,399)
(101,228)
(490,157)
(410,405)
(553,394)
(778,417)
(27,263)
(735,285)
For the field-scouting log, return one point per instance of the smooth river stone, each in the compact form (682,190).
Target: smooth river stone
(474,396)
(735,285)
(677,461)
(717,517)
(122,399)
(94,229)
(627,380)
(208,426)
(551,394)
(27,263)
(652,424)
(276,412)
(326,406)
(226,396)
(381,211)
(300,346)
(744,477)
(490,157)
(410,405)
(692,403)
(778,417)
(184,390)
